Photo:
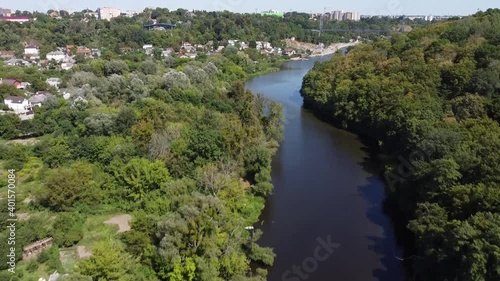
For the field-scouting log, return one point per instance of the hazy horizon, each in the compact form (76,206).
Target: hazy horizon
(376,7)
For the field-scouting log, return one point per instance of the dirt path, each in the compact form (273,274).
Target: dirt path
(123,222)
(83,252)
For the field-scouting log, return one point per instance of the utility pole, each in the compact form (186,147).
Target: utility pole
(321,18)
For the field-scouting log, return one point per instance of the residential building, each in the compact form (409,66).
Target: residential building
(5,12)
(244,46)
(108,13)
(356,16)
(57,56)
(337,15)
(17,104)
(188,47)
(130,13)
(289,52)
(13,82)
(31,51)
(40,98)
(7,54)
(17,62)
(82,50)
(348,16)
(66,65)
(54,82)
(95,52)
(91,15)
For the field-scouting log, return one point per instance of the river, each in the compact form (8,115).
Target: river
(325,214)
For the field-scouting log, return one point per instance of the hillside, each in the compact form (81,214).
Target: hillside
(431,100)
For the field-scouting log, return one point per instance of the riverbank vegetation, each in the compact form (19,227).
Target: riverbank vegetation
(431,99)
(185,151)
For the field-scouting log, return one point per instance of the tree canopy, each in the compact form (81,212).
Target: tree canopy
(429,98)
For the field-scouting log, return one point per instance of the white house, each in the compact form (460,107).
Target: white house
(17,104)
(57,56)
(267,45)
(31,50)
(148,49)
(188,47)
(54,82)
(66,65)
(244,46)
(108,13)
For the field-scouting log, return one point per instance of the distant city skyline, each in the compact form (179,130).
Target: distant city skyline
(376,7)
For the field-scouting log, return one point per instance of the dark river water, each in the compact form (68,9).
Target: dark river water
(325,217)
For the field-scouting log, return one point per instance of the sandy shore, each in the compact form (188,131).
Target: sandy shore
(332,49)
(319,50)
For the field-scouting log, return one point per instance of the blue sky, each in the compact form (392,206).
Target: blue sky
(385,7)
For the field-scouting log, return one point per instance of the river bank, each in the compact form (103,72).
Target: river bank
(319,50)
(326,191)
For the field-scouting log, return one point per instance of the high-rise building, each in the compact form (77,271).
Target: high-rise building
(5,12)
(107,13)
(348,16)
(356,16)
(338,15)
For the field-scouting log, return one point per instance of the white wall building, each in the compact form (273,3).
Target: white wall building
(31,50)
(54,82)
(429,18)
(108,13)
(17,104)
(66,65)
(57,56)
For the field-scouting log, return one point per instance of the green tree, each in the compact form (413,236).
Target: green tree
(105,264)
(140,176)
(8,126)
(67,186)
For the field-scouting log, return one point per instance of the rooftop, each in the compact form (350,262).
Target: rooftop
(14,99)
(9,81)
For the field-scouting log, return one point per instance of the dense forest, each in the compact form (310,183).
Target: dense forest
(431,100)
(185,151)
